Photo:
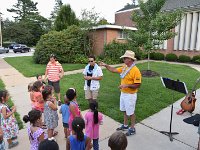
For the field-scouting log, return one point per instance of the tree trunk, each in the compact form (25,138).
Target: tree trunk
(148,68)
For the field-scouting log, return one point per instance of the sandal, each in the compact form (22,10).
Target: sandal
(55,133)
(180,112)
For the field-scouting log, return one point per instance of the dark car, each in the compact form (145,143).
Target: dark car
(12,45)
(21,48)
(3,50)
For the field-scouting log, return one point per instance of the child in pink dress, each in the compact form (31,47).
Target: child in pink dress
(35,132)
(73,106)
(93,119)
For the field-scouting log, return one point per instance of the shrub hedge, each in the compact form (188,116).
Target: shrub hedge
(196,59)
(184,58)
(66,45)
(171,57)
(114,50)
(157,56)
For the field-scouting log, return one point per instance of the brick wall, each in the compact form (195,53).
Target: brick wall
(124,19)
(101,37)
(170,49)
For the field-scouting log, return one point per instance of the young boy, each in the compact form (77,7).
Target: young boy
(64,110)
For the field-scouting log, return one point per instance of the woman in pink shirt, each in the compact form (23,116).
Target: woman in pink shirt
(93,119)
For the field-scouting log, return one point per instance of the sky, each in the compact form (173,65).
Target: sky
(106,8)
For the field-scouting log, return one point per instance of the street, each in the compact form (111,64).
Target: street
(12,54)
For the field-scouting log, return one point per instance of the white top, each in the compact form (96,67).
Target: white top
(95,85)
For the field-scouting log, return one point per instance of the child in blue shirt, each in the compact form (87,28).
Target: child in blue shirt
(64,110)
(78,141)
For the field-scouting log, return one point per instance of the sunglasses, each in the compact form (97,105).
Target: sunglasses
(90,61)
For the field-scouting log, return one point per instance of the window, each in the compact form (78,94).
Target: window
(122,35)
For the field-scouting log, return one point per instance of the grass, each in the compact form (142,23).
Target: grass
(10,103)
(28,68)
(152,96)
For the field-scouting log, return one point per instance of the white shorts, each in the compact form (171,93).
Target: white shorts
(128,102)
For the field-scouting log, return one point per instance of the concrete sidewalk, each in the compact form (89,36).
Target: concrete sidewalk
(147,137)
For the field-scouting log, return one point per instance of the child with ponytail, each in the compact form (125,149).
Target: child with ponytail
(78,141)
(8,122)
(93,119)
(35,132)
(50,111)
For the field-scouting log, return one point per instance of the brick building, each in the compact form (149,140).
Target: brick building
(105,34)
(187,41)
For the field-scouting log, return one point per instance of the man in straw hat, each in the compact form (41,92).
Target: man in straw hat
(130,82)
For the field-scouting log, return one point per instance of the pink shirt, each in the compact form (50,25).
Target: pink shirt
(91,129)
(77,112)
(53,71)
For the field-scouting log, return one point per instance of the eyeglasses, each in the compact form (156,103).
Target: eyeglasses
(90,61)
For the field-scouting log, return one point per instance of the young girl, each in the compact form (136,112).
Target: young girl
(36,134)
(93,119)
(2,143)
(73,106)
(50,111)
(30,86)
(38,102)
(64,110)
(8,121)
(78,141)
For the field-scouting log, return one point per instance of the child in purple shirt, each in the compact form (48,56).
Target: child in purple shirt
(93,119)
(35,132)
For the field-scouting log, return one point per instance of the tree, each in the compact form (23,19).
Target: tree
(28,25)
(23,9)
(89,19)
(103,21)
(58,5)
(154,26)
(66,17)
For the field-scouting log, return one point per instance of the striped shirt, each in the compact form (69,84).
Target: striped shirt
(53,71)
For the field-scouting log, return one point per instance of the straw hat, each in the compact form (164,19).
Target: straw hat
(129,54)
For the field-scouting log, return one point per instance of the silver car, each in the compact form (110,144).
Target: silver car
(4,50)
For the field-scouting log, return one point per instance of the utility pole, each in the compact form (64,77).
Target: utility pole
(0,30)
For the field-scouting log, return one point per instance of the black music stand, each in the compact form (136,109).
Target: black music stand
(174,86)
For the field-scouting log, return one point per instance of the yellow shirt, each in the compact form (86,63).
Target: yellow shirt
(132,77)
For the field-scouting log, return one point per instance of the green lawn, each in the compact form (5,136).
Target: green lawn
(28,68)
(10,103)
(152,96)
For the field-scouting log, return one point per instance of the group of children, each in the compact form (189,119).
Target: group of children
(44,115)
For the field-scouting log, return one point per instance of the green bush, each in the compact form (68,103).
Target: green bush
(67,45)
(171,57)
(157,56)
(114,50)
(196,59)
(184,58)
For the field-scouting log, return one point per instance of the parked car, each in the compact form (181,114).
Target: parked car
(12,45)
(21,48)
(3,50)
